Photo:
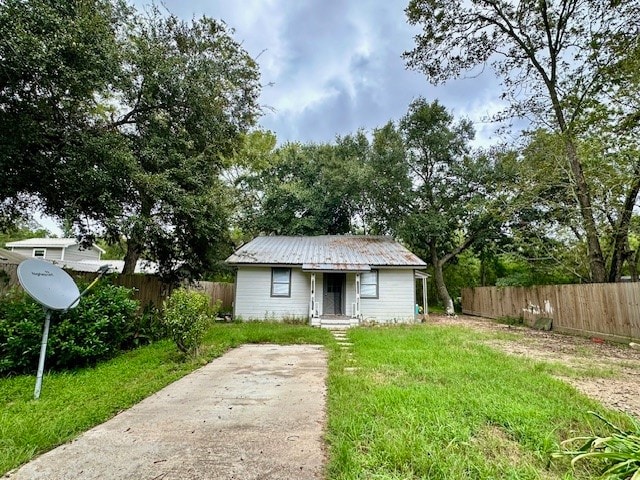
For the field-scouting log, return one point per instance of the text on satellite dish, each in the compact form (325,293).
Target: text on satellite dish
(46,273)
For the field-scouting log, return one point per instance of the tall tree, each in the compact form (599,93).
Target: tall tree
(307,189)
(185,94)
(445,198)
(553,56)
(56,60)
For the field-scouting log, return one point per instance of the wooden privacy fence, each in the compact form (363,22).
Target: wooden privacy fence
(218,291)
(148,289)
(607,310)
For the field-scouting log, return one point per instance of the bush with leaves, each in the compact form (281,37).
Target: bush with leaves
(98,328)
(619,451)
(186,316)
(21,323)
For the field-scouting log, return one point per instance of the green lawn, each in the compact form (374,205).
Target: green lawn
(433,402)
(411,402)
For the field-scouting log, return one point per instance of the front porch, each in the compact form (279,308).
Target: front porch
(337,304)
(337,297)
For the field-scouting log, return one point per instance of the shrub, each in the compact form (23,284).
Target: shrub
(186,316)
(148,327)
(100,327)
(21,323)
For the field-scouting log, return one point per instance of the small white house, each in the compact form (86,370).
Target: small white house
(67,253)
(64,249)
(339,280)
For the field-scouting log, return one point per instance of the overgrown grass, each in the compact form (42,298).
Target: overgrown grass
(74,402)
(433,402)
(417,402)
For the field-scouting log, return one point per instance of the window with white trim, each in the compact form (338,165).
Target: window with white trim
(280,282)
(369,284)
(39,252)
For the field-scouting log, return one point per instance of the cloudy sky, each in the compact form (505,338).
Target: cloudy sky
(330,67)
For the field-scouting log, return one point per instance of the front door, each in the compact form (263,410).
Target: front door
(333,293)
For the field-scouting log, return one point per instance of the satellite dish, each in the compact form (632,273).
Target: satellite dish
(52,288)
(48,284)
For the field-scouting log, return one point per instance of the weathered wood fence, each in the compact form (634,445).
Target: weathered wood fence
(148,289)
(606,310)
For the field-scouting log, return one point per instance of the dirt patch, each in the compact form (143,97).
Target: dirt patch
(605,371)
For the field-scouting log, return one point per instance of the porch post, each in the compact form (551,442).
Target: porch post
(425,310)
(357,312)
(312,299)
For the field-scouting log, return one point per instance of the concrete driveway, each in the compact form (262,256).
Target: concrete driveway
(258,412)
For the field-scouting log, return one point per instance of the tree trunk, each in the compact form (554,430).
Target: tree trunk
(634,266)
(441,288)
(596,259)
(621,237)
(134,249)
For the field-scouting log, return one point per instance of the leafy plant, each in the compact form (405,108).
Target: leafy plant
(101,326)
(620,451)
(186,317)
(149,327)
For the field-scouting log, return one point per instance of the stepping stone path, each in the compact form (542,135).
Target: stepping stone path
(340,334)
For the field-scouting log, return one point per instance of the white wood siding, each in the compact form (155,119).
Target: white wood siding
(254,300)
(74,254)
(395,302)
(52,253)
(396,297)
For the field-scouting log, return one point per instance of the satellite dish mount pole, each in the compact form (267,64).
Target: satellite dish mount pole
(43,352)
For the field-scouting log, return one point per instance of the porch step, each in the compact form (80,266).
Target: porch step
(338,323)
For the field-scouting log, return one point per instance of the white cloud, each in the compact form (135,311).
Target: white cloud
(331,67)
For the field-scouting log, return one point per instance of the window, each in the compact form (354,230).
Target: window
(39,252)
(280,282)
(369,284)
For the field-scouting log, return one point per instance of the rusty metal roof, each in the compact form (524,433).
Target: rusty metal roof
(327,252)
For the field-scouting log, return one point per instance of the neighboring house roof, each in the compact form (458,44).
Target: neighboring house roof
(12,258)
(142,266)
(47,243)
(327,252)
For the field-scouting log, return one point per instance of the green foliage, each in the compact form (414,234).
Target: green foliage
(450,199)
(619,451)
(583,87)
(98,329)
(143,107)
(21,323)
(306,189)
(148,327)
(57,59)
(186,316)
(101,326)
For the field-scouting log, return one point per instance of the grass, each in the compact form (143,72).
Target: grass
(419,402)
(73,402)
(433,402)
